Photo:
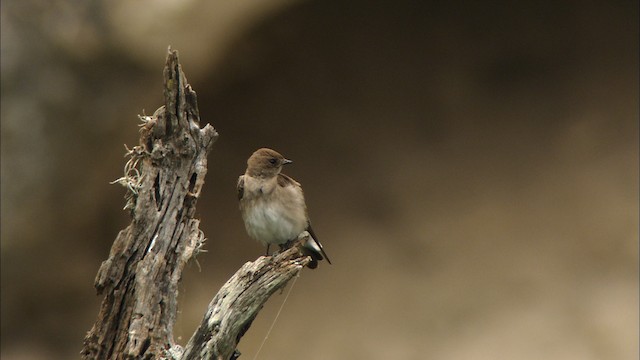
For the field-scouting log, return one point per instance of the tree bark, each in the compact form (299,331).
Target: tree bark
(139,280)
(164,177)
(238,302)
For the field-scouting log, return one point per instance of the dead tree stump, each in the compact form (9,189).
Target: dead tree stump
(139,280)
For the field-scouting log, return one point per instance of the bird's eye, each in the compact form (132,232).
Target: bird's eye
(273,161)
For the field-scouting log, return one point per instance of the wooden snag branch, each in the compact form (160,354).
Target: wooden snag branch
(139,280)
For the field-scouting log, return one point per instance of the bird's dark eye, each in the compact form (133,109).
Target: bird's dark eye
(273,161)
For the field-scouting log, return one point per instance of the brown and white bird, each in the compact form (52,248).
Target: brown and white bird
(273,207)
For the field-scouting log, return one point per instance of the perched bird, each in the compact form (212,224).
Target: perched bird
(273,207)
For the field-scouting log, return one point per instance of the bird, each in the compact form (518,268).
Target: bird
(273,206)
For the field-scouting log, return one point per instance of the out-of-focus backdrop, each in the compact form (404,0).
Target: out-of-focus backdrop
(471,168)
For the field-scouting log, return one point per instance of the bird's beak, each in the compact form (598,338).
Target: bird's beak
(286,161)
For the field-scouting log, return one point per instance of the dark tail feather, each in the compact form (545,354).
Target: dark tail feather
(314,248)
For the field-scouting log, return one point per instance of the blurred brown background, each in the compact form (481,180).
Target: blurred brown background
(471,168)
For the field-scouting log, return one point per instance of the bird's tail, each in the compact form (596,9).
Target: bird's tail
(312,247)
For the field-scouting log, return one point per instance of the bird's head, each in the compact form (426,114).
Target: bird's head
(266,163)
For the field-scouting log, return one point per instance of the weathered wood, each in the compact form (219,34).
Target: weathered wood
(238,302)
(139,280)
(164,177)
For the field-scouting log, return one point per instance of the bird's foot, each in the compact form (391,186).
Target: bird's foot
(283,247)
(286,245)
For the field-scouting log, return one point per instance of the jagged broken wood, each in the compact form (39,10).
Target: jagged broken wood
(164,178)
(139,280)
(238,302)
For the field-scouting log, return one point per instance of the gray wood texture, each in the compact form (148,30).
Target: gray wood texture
(139,280)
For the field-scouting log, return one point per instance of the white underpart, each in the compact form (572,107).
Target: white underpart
(273,214)
(271,223)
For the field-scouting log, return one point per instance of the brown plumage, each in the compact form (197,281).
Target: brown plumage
(273,206)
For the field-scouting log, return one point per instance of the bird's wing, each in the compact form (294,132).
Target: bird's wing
(285,180)
(240,187)
(315,239)
(318,250)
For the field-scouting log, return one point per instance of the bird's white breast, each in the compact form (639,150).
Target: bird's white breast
(273,215)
